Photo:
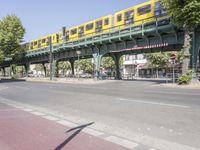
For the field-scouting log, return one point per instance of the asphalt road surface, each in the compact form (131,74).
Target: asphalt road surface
(140,111)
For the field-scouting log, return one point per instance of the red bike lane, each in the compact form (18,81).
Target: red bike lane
(20,130)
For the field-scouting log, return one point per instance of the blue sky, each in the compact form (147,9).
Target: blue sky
(43,17)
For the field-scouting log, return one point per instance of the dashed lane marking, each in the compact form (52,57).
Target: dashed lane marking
(122,142)
(67,123)
(155,103)
(50,118)
(92,132)
(37,113)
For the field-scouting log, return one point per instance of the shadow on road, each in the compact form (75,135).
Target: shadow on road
(11,81)
(156,81)
(78,130)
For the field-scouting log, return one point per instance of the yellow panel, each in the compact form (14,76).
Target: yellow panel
(106,28)
(119,24)
(34,44)
(72,36)
(43,41)
(54,39)
(90,31)
(148,17)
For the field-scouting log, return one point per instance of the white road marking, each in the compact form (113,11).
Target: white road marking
(50,118)
(26,109)
(171,92)
(92,132)
(37,113)
(67,123)
(122,142)
(155,103)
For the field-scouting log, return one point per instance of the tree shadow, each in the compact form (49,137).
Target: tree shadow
(78,130)
(11,81)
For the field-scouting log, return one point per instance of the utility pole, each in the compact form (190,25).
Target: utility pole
(50,57)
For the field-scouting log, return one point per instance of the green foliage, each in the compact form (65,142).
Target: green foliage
(185,78)
(1,56)
(108,63)
(158,59)
(64,66)
(185,13)
(85,65)
(39,67)
(11,35)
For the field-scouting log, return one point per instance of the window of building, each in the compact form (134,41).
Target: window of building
(89,26)
(127,57)
(74,31)
(119,17)
(144,10)
(106,21)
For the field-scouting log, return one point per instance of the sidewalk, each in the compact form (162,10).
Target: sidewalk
(21,130)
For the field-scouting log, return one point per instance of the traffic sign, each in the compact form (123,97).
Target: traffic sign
(173,56)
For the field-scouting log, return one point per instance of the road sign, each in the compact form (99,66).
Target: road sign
(173,56)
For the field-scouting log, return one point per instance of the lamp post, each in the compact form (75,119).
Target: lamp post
(78,53)
(50,57)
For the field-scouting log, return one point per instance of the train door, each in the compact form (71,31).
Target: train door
(99,26)
(129,17)
(80,31)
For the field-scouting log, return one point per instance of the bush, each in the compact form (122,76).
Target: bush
(185,78)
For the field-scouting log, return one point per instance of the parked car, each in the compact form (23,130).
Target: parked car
(86,75)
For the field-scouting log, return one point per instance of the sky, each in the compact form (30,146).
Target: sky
(43,17)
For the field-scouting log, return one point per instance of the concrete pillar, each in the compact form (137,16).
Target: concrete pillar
(97,63)
(45,69)
(27,68)
(116,58)
(71,61)
(4,71)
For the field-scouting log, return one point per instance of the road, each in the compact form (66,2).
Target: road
(140,111)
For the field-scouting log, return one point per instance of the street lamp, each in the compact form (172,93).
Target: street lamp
(78,53)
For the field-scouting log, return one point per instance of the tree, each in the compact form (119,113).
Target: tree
(85,65)
(39,67)
(185,13)
(158,60)
(11,35)
(108,63)
(64,66)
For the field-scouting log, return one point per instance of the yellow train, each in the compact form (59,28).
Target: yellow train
(145,13)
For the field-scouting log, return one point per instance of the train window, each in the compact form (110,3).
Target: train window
(89,26)
(106,21)
(159,11)
(144,10)
(43,40)
(129,14)
(73,31)
(119,17)
(35,43)
(81,29)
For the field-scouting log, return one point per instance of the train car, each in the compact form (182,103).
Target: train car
(101,25)
(73,33)
(43,42)
(146,12)
(91,28)
(33,44)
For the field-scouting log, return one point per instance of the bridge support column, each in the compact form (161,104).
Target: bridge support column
(71,61)
(45,69)
(97,62)
(116,58)
(54,68)
(4,71)
(27,68)
(194,53)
